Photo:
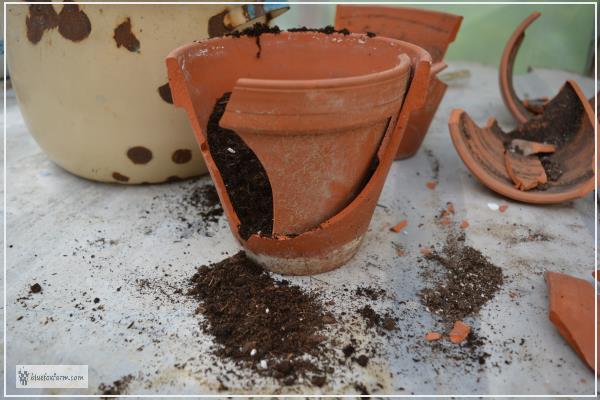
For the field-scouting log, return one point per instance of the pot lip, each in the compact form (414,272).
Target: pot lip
(402,64)
(506,189)
(509,54)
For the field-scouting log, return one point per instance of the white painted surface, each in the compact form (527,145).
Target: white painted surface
(55,220)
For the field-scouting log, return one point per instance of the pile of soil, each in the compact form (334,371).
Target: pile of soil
(244,176)
(266,325)
(470,281)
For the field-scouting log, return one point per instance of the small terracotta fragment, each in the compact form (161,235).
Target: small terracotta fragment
(572,302)
(526,172)
(425,251)
(516,107)
(482,149)
(431,185)
(401,225)
(433,336)
(450,207)
(431,30)
(502,207)
(527,147)
(464,224)
(459,332)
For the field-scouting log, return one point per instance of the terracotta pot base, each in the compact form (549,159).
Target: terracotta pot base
(567,122)
(308,265)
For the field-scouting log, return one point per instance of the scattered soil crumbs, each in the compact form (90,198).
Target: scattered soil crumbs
(552,168)
(370,292)
(470,281)
(196,206)
(261,323)
(117,387)
(244,176)
(35,288)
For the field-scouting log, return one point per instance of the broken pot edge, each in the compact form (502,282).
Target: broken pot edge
(345,230)
(509,55)
(456,126)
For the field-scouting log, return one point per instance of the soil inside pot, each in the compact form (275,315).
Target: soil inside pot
(561,120)
(267,325)
(469,282)
(245,178)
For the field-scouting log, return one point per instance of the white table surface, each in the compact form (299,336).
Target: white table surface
(54,221)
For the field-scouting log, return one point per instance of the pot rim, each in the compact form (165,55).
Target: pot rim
(508,190)
(401,65)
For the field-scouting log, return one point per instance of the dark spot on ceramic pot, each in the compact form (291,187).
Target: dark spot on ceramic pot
(165,93)
(173,178)
(216,25)
(124,37)
(139,155)
(121,178)
(73,24)
(42,17)
(181,156)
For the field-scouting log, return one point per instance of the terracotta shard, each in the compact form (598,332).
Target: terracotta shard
(398,227)
(526,172)
(567,123)
(527,147)
(433,336)
(572,302)
(431,185)
(464,224)
(431,30)
(517,108)
(459,332)
(503,207)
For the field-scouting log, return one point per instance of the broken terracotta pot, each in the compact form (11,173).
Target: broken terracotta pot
(567,123)
(323,114)
(522,110)
(431,30)
(572,304)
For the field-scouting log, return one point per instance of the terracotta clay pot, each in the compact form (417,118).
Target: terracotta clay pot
(319,112)
(483,151)
(521,110)
(571,310)
(431,30)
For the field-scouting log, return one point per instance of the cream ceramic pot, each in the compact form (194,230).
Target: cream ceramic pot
(92,86)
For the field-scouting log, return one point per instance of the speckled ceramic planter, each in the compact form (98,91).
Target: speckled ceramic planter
(92,88)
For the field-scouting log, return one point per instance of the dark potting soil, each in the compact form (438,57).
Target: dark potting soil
(560,120)
(117,387)
(375,320)
(470,280)
(245,178)
(35,288)
(260,323)
(258,29)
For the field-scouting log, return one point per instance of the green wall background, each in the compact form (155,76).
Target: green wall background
(562,38)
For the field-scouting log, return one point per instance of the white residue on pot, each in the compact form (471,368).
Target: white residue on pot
(252,352)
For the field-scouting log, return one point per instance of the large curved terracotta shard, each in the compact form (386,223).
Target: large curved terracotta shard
(432,30)
(572,301)
(482,148)
(324,114)
(517,108)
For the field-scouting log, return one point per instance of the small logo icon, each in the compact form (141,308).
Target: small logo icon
(23,376)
